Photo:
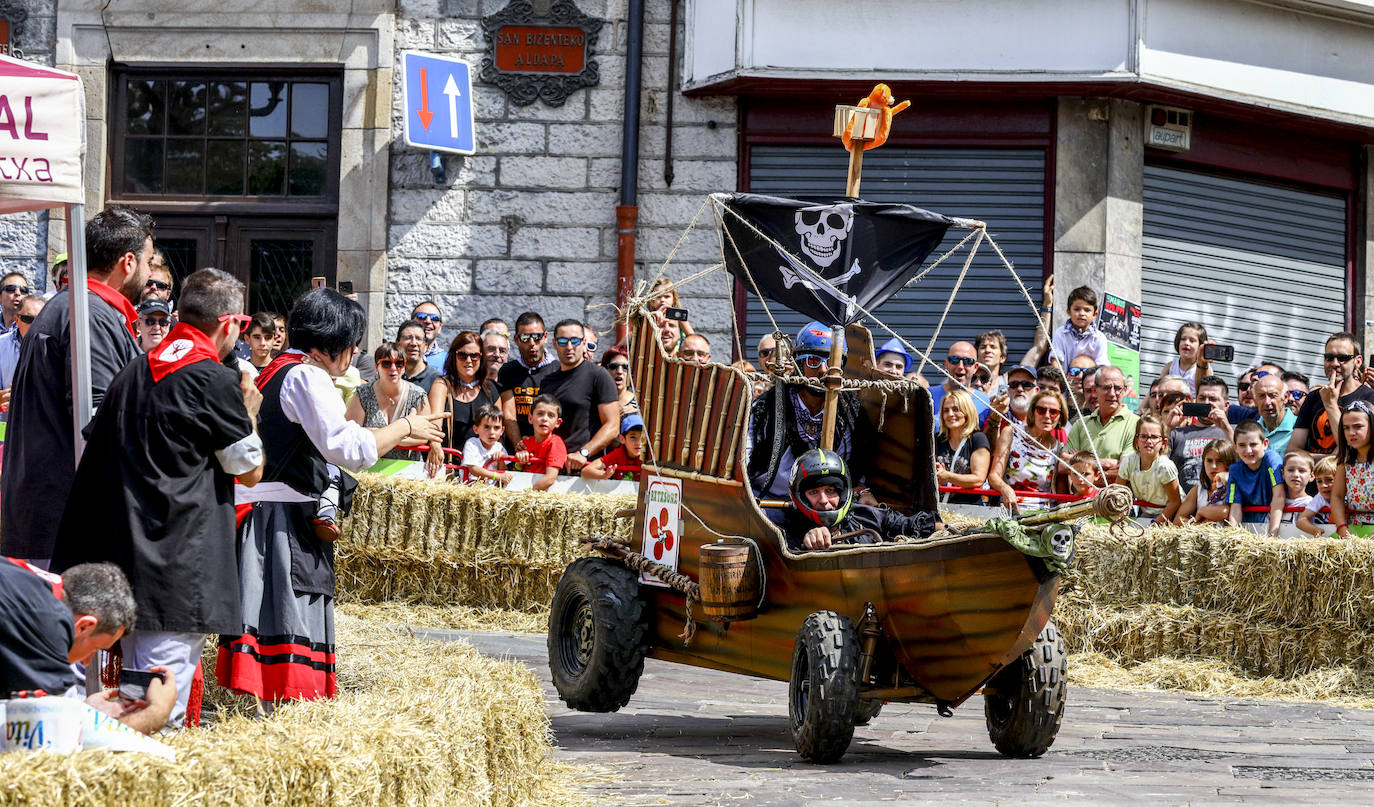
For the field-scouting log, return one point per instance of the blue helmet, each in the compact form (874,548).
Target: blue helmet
(814,338)
(894,345)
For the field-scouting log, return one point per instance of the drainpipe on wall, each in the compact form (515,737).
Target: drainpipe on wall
(627,213)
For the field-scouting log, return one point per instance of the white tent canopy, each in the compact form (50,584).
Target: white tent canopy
(42,119)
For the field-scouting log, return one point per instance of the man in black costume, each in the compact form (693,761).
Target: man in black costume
(40,458)
(154,493)
(785,422)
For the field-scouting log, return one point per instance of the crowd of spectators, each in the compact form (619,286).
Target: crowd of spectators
(551,400)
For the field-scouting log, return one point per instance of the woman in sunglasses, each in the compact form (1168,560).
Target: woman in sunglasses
(391,398)
(1025,459)
(617,363)
(463,388)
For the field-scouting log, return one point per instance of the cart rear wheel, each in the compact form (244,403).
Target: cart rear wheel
(824,696)
(1024,703)
(598,630)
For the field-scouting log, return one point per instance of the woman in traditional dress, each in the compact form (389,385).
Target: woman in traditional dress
(390,398)
(286,572)
(462,389)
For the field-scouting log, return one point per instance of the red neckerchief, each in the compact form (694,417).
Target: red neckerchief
(182,347)
(117,301)
(281,362)
(51,579)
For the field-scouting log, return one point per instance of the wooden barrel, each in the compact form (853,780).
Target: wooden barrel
(729,587)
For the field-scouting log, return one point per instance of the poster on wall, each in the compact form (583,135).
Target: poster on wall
(1120,323)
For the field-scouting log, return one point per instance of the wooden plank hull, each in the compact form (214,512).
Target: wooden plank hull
(951,613)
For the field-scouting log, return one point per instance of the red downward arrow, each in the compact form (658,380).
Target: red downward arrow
(425,115)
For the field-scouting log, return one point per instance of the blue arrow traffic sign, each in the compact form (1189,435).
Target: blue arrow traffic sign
(438,103)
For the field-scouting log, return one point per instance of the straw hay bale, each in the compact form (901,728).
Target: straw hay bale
(1153,630)
(416,723)
(480,546)
(1338,685)
(1282,581)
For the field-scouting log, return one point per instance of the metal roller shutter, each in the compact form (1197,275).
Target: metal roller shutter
(1262,266)
(1004,187)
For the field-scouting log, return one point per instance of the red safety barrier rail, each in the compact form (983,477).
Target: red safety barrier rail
(1069,497)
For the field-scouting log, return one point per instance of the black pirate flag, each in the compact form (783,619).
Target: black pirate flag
(827,256)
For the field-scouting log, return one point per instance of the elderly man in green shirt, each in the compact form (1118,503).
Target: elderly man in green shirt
(1111,427)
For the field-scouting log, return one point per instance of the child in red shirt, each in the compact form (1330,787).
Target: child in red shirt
(543,452)
(623,462)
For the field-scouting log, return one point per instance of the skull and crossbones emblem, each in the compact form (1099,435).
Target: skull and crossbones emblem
(823,230)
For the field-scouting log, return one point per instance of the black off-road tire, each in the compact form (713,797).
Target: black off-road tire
(823,696)
(867,711)
(1024,703)
(598,635)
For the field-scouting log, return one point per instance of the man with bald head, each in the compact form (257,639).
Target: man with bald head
(960,362)
(1271,393)
(1111,428)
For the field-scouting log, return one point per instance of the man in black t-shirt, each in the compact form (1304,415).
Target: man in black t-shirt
(1342,363)
(587,393)
(520,378)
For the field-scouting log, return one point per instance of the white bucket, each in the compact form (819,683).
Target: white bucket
(48,724)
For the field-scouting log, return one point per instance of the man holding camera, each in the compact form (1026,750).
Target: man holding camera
(1204,420)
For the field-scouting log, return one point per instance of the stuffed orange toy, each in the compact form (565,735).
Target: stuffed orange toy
(881,99)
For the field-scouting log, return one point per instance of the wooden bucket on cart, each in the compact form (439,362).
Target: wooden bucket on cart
(729,587)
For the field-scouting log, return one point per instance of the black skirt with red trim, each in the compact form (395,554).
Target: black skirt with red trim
(286,650)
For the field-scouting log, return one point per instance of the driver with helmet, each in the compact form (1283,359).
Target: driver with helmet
(823,506)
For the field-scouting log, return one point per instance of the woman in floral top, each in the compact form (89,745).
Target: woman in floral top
(1025,459)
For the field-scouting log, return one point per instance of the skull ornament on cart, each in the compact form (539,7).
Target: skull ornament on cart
(823,230)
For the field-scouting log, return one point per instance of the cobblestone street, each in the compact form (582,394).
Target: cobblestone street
(698,737)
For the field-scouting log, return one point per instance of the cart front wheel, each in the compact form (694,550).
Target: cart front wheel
(823,697)
(1024,702)
(598,630)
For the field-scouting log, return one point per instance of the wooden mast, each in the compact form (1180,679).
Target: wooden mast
(861,124)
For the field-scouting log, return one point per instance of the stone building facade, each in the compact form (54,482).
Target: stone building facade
(526,223)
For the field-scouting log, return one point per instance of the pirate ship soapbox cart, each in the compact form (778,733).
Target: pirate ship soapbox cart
(925,619)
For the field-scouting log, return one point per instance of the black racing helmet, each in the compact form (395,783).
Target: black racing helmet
(815,468)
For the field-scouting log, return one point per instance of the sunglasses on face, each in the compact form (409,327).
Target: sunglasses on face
(967,361)
(591,346)
(766,352)
(469,356)
(812,361)
(618,367)
(564,341)
(27,319)
(1048,410)
(1020,385)
(391,364)
(1336,357)
(241,319)
(423,317)
(151,322)
(531,337)
(10,288)
(157,284)
(1075,372)
(1297,394)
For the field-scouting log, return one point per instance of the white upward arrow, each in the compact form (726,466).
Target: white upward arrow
(451,90)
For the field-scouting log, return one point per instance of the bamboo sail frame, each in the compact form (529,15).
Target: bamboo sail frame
(699,436)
